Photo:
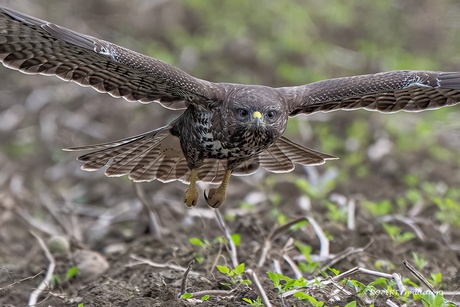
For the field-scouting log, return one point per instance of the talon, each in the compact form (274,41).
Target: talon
(191,195)
(215,198)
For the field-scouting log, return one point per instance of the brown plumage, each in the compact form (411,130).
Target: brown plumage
(225,128)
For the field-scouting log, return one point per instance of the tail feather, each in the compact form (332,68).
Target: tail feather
(282,155)
(153,155)
(303,155)
(158,155)
(275,160)
(129,159)
(212,170)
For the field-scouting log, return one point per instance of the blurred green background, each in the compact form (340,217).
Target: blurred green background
(276,43)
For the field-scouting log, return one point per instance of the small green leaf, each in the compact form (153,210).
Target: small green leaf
(186,295)
(205,297)
(274,278)
(334,271)
(223,269)
(57,279)
(309,298)
(199,258)
(236,239)
(72,272)
(351,304)
(239,269)
(439,299)
(197,241)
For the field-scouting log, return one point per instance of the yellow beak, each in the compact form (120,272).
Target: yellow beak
(257,118)
(257,114)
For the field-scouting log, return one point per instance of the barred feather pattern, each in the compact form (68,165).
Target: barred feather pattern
(386,92)
(157,155)
(154,155)
(35,46)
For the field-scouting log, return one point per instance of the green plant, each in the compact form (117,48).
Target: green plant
(257,302)
(305,297)
(396,234)
(285,283)
(436,279)
(419,261)
(311,266)
(70,273)
(203,244)
(335,213)
(449,210)
(235,275)
(188,295)
(318,190)
(429,299)
(380,208)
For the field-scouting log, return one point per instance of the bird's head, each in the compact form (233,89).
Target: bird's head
(256,111)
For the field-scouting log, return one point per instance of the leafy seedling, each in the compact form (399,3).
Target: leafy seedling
(235,275)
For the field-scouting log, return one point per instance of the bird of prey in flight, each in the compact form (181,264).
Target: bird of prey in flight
(225,128)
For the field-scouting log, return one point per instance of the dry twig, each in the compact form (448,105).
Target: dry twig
(419,276)
(348,273)
(154,264)
(223,226)
(260,290)
(183,286)
(19,281)
(344,254)
(199,294)
(33,298)
(324,242)
(155,229)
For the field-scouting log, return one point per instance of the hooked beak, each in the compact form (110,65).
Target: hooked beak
(257,118)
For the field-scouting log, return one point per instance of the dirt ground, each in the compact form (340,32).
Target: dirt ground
(128,255)
(121,234)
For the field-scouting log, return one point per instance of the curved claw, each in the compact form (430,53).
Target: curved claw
(215,198)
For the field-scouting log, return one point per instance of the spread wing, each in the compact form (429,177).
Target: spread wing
(385,92)
(35,46)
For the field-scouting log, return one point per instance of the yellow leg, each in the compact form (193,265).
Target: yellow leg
(191,195)
(216,197)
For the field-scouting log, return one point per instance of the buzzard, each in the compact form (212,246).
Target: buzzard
(226,128)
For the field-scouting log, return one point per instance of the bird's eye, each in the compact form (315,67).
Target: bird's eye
(243,113)
(271,114)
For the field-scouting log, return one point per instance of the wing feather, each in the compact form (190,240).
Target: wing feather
(35,46)
(386,92)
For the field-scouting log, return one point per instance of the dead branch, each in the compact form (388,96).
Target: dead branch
(49,273)
(260,290)
(154,264)
(154,226)
(419,276)
(225,229)
(183,286)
